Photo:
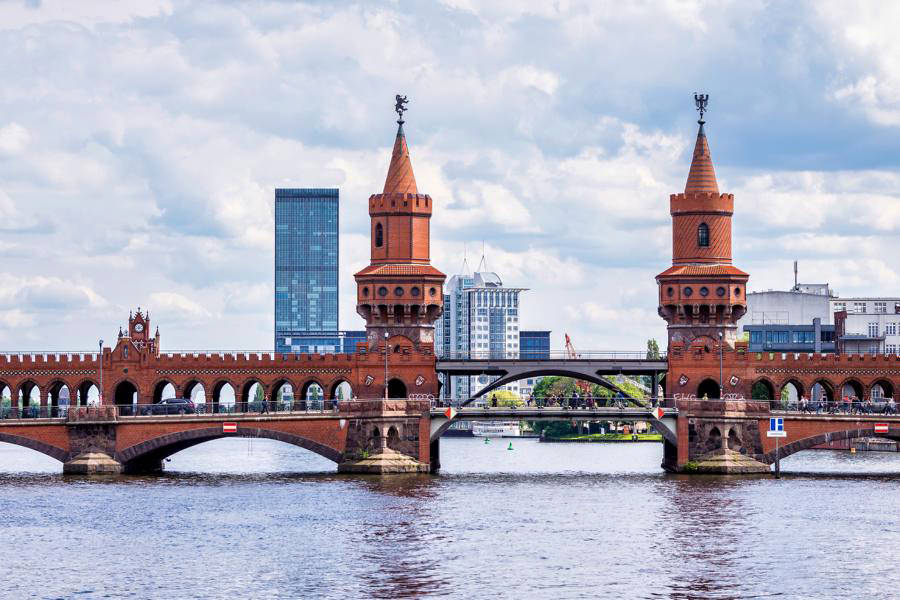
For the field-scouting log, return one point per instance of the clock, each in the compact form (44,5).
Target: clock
(139,327)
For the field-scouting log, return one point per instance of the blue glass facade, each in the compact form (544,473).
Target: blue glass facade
(534,345)
(306,268)
(323,342)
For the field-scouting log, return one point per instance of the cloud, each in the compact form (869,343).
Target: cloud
(141,144)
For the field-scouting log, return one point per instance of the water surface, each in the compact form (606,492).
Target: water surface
(242,518)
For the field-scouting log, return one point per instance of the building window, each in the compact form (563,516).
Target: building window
(881,307)
(891,349)
(703,235)
(859,307)
(873,329)
(756,337)
(379,235)
(840,306)
(890,329)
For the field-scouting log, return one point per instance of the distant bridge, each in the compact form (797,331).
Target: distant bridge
(595,367)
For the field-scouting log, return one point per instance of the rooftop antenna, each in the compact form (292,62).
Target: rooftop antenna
(796,285)
(465,266)
(482,265)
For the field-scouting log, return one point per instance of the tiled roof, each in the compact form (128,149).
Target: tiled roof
(400,269)
(400,178)
(701,270)
(702,177)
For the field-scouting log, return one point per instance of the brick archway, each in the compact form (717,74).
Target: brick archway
(44,448)
(832,436)
(160,447)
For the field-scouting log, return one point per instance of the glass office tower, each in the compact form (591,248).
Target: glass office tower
(306,269)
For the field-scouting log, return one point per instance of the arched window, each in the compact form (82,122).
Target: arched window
(703,235)
(379,235)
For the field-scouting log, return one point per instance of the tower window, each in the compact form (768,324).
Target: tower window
(379,235)
(703,235)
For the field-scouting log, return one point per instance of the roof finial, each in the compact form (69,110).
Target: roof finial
(701,100)
(400,107)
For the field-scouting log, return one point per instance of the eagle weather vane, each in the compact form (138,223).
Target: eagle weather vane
(701,100)
(400,107)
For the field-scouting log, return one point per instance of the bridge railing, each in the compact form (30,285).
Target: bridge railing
(236,408)
(550,355)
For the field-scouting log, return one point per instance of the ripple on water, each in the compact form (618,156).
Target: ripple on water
(264,519)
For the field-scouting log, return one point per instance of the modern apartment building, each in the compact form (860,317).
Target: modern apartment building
(480,320)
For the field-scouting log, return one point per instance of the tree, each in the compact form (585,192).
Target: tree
(652,349)
(259,393)
(504,398)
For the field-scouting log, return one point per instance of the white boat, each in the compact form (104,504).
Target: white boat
(496,429)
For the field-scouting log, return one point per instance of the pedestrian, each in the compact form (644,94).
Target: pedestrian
(265,406)
(494,400)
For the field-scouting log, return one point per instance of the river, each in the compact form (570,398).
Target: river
(262,519)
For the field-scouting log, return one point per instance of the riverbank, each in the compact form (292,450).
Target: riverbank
(606,438)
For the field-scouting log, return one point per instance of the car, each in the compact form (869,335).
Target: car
(172,406)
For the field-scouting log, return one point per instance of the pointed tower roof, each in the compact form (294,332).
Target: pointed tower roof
(400,178)
(702,177)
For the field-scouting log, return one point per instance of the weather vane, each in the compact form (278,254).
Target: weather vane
(400,107)
(701,100)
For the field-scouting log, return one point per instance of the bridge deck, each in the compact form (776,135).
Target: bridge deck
(603,366)
(552,413)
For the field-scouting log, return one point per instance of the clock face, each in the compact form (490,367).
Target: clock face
(139,327)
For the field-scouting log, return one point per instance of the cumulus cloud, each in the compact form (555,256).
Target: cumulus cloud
(140,145)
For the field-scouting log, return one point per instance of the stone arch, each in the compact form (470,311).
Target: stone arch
(396,388)
(709,388)
(126,395)
(286,389)
(246,388)
(794,390)
(29,402)
(734,439)
(312,394)
(344,387)
(393,437)
(148,455)
(54,392)
(881,388)
(82,392)
(159,390)
(44,448)
(190,389)
(852,387)
(762,389)
(230,395)
(832,436)
(822,391)
(713,440)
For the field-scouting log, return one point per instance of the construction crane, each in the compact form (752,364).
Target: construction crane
(583,386)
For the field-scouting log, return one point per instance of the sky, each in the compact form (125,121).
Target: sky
(141,142)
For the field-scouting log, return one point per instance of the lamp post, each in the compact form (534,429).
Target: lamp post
(386,348)
(721,387)
(100,391)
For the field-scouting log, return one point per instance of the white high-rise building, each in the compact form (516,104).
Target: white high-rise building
(480,320)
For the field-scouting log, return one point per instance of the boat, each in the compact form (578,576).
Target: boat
(496,429)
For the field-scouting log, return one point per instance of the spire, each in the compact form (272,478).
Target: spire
(400,178)
(702,177)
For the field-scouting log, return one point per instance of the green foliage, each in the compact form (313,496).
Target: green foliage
(614,437)
(690,467)
(504,398)
(759,391)
(553,429)
(259,394)
(652,349)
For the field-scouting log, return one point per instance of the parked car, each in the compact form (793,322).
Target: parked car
(172,406)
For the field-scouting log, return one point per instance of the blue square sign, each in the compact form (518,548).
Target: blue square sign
(776,424)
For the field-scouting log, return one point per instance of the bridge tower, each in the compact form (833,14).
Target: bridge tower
(702,295)
(400,293)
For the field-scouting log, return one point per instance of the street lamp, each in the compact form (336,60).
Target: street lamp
(100,391)
(386,348)
(721,387)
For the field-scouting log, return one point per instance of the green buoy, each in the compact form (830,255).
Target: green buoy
(487,440)
(510,446)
